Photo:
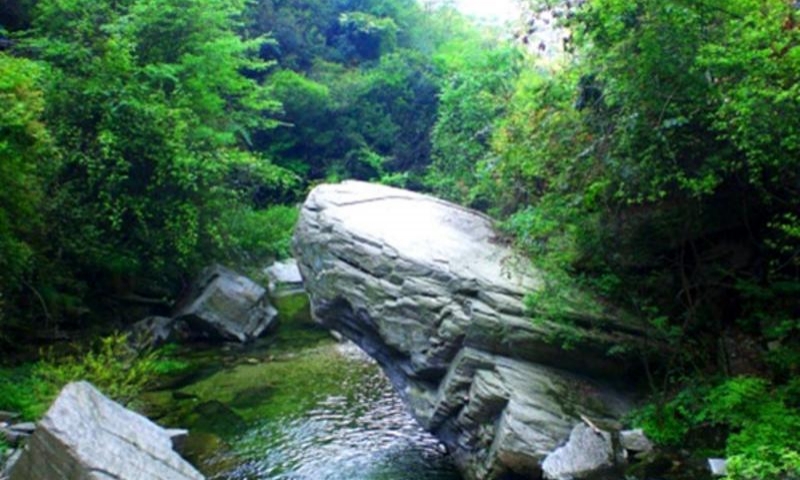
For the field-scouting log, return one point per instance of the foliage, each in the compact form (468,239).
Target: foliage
(111,365)
(146,116)
(24,149)
(262,235)
(762,421)
(657,167)
(479,78)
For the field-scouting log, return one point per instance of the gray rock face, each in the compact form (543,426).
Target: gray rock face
(427,289)
(226,305)
(86,436)
(586,452)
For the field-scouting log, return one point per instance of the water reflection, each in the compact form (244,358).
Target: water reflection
(365,434)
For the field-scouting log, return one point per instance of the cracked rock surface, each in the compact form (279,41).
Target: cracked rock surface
(86,436)
(428,289)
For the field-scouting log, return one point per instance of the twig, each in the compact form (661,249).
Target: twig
(591,424)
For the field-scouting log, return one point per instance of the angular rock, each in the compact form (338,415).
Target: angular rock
(635,441)
(284,276)
(587,452)
(429,290)
(86,436)
(223,304)
(718,467)
(24,427)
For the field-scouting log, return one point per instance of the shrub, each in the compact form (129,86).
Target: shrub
(110,364)
(763,442)
(262,235)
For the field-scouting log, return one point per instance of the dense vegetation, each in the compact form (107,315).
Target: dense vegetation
(656,163)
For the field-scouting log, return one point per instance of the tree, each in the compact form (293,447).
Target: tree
(26,159)
(150,110)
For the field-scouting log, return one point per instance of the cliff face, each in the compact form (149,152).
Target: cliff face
(427,289)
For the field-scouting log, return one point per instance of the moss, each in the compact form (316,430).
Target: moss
(285,385)
(280,375)
(209,453)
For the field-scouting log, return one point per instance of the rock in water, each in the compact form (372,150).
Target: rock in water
(224,304)
(427,289)
(86,436)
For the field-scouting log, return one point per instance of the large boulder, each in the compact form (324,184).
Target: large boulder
(429,290)
(86,436)
(223,304)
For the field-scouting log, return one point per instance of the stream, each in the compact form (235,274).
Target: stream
(296,405)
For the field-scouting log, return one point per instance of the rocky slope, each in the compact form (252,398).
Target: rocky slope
(429,290)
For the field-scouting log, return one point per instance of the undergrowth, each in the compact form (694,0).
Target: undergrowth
(111,365)
(762,421)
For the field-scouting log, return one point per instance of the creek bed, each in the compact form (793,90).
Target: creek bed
(296,405)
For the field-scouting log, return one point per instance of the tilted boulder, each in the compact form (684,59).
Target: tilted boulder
(429,290)
(86,436)
(223,304)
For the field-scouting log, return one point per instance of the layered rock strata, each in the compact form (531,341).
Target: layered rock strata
(430,291)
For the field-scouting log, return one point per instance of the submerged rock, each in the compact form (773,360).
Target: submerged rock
(428,289)
(223,304)
(86,436)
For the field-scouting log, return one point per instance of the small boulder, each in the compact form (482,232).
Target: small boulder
(587,451)
(635,441)
(718,467)
(284,276)
(225,305)
(86,436)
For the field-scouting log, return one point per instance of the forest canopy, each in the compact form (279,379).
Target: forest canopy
(655,162)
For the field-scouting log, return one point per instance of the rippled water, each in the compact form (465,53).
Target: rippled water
(365,433)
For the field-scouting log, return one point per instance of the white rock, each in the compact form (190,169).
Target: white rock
(86,436)
(587,451)
(718,467)
(284,274)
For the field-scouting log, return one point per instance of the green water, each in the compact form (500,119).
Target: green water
(295,405)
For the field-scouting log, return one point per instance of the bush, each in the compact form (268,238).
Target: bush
(110,364)
(763,442)
(262,235)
